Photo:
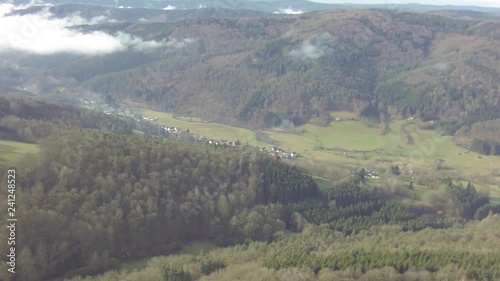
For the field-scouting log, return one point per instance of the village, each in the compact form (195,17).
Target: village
(174,131)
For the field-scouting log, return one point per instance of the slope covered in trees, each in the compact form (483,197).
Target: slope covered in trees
(261,71)
(31,120)
(92,197)
(96,195)
(468,252)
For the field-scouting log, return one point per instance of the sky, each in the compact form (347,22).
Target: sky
(42,34)
(482,3)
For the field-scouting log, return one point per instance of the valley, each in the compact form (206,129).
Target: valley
(249,140)
(348,144)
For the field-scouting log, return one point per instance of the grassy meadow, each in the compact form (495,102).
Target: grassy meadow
(351,143)
(207,129)
(11,152)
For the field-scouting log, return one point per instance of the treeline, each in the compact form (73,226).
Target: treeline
(30,120)
(485,147)
(465,252)
(478,266)
(469,204)
(91,197)
(482,137)
(65,115)
(349,208)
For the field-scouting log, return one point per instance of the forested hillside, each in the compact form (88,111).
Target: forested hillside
(318,254)
(254,70)
(258,72)
(92,197)
(115,13)
(32,120)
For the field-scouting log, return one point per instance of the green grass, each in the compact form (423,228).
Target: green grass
(348,135)
(11,152)
(352,143)
(419,190)
(323,184)
(495,200)
(206,129)
(362,145)
(137,132)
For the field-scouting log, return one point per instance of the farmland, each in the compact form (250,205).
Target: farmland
(350,143)
(207,129)
(11,152)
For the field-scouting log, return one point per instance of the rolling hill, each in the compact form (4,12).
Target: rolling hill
(259,71)
(262,71)
(269,6)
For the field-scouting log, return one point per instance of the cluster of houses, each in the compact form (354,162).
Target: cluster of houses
(274,151)
(138,117)
(99,106)
(278,152)
(176,131)
(373,175)
(86,101)
(172,130)
(224,143)
(149,118)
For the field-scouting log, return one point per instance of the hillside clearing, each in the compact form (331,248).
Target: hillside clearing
(11,152)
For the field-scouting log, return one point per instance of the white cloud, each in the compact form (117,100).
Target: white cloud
(43,34)
(288,11)
(5,9)
(307,50)
(201,6)
(178,44)
(169,8)
(313,48)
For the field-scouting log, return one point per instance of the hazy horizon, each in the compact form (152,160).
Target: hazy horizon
(480,3)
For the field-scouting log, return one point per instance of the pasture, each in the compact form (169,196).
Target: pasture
(11,152)
(207,129)
(349,142)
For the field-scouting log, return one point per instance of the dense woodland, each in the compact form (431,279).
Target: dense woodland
(402,64)
(262,71)
(91,197)
(30,120)
(383,253)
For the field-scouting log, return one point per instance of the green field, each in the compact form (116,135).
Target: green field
(11,152)
(350,142)
(206,129)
